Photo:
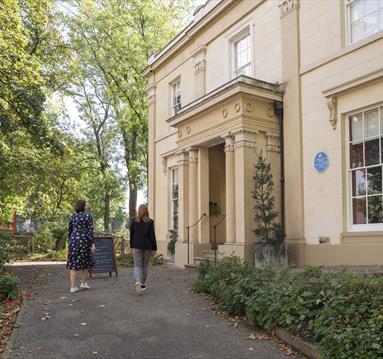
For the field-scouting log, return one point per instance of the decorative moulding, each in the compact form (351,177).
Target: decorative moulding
(193,155)
(224,112)
(229,142)
(237,107)
(245,138)
(272,142)
(164,162)
(287,6)
(332,104)
(182,157)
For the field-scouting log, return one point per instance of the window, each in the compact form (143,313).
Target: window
(365,17)
(365,168)
(242,55)
(176,96)
(174,200)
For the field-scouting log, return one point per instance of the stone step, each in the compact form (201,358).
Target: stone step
(208,254)
(198,260)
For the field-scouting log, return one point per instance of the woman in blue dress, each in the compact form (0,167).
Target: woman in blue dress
(81,246)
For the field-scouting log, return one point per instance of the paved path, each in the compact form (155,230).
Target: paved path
(111,321)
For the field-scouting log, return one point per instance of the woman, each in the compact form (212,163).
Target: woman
(81,246)
(142,245)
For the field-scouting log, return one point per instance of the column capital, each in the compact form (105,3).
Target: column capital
(229,142)
(245,138)
(151,90)
(193,154)
(272,142)
(182,157)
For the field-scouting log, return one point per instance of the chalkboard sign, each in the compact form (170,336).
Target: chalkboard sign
(105,258)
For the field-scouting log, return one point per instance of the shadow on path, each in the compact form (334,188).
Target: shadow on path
(112,321)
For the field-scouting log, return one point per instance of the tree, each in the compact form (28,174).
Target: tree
(268,231)
(117,36)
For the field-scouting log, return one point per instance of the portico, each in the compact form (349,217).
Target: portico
(218,137)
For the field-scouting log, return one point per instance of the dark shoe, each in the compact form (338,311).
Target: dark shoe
(143,287)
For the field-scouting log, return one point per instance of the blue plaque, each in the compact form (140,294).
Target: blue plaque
(321,162)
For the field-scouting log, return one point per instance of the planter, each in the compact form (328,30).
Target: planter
(266,254)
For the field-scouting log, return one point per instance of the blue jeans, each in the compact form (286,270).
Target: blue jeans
(141,260)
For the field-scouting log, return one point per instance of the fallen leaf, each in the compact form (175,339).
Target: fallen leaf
(95,353)
(83,323)
(236,324)
(63,298)
(251,348)
(102,306)
(76,334)
(252,336)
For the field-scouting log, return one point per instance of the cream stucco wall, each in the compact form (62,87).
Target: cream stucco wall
(305,47)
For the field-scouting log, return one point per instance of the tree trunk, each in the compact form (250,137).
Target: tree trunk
(106,211)
(132,201)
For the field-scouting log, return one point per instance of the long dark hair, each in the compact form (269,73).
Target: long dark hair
(80,205)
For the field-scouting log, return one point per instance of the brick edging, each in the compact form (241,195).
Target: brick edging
(309,350)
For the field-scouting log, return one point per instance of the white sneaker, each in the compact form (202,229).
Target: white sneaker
(74,290)
(84,285)
(137,285)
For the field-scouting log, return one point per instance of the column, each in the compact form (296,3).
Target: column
(292,128)
(151,143)
(203,194)
(183,194)
(245,158)
(230,188)
(193,193)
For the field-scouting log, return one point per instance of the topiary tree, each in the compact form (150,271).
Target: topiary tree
(268,230)
(173,233)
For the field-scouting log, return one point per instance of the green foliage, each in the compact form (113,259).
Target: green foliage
(9,287)
(171,247)
(268,231)
(4,251)
(157,260)
(342,312)
(214,209)
(43,240)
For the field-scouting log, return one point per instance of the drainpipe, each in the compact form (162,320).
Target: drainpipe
(278,110)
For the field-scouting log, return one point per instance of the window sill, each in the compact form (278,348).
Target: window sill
(366,237)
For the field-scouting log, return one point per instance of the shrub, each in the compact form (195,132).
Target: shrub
(43,240)
(342,312)
(4,251)
(8,287)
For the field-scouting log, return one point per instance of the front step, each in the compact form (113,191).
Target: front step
(198,260)
(208,254)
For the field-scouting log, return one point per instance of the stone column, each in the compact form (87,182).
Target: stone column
(193,193)
(245,158)
(292,127)
(151,142)
(203,194)
(230,188)
(183,194)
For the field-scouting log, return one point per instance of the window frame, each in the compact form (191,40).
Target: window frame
(240,33)
(347,8)
(235,70)
(368,226)
(172,184)
(174,106)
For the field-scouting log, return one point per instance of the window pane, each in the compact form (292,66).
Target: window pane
(370,24)
(359,210)
(374,180)
(381,19)
(381,120)
(356,127)
(371,123)
(356,155)
(358,182)
(370,6)
(375,209)
(372,152)
(357,31)
(356,9)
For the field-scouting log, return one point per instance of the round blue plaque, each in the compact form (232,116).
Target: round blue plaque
(321,162)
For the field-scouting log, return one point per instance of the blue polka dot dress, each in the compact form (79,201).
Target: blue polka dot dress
(81,238)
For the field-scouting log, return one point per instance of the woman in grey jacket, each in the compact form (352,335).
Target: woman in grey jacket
(142,246)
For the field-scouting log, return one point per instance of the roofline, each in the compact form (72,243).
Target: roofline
(186,35)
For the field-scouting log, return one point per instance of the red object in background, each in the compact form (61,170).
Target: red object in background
(14,223)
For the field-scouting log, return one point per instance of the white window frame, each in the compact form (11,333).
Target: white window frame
(175,90)
(233,38)
(351,226)
(172,183)
(348,22)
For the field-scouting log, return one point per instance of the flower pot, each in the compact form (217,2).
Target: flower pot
(274,255)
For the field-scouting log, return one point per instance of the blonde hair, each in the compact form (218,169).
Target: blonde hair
(142,213)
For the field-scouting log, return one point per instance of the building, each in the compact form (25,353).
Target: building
(216,94)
